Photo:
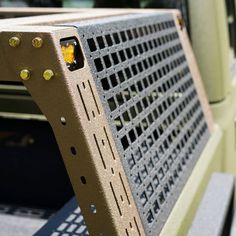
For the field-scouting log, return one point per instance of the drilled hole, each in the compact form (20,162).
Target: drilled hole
(93,209)
(83,180)
(73,150)
(63,120)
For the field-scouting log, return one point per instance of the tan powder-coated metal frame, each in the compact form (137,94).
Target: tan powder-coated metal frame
(85,141)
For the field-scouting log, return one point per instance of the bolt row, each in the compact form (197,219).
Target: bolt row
(37,42)
(14,42)
(47,74)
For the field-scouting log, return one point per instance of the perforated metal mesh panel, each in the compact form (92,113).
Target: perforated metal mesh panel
(150,100)
(25,211)
(67,222)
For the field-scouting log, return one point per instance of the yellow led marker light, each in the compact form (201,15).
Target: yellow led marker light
(72,53)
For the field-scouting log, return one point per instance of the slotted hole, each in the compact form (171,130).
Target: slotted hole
(122,55)
(121,76)
(143,198)
(113,80)
(145,46)
(112,171)
(135,33)
(144,172)
(118,123)
(133,112)
(107,61)
(109,40)
(98,64)
(150,190)
(150,217)
(128,53)
(156,207)
(141,33)
(156,181)
(120,99)
(134,49)
(105,84)
(140,48)
(161,198)
(127,94)
(116,38)
(100,42)
(134,69)
(138,180)
(131,162)
(126,116)
(129,33)
(150,165)
(115,58)
(125,142)
(132,135)
(123,36)
(139,107)
(92,45)
(140,66)
(112,104)
(128,73)
(138,129)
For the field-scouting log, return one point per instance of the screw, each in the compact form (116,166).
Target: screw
(14,42)
(48,74)
(37,42)
(25,74)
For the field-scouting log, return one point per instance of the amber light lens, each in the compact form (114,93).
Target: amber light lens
(68,53)
(72,53)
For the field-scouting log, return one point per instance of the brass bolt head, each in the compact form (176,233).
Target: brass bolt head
(48,74)
(14,42)
(25,74)
(37,42)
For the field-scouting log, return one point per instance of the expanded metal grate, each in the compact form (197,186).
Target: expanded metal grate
(25,211)
(151,103)
(67,222)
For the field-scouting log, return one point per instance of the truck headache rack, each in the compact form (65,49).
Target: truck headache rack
(126,104)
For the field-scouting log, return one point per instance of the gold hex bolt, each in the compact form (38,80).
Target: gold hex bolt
(14,42)
(37,42)
(25,74)
(48,74)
